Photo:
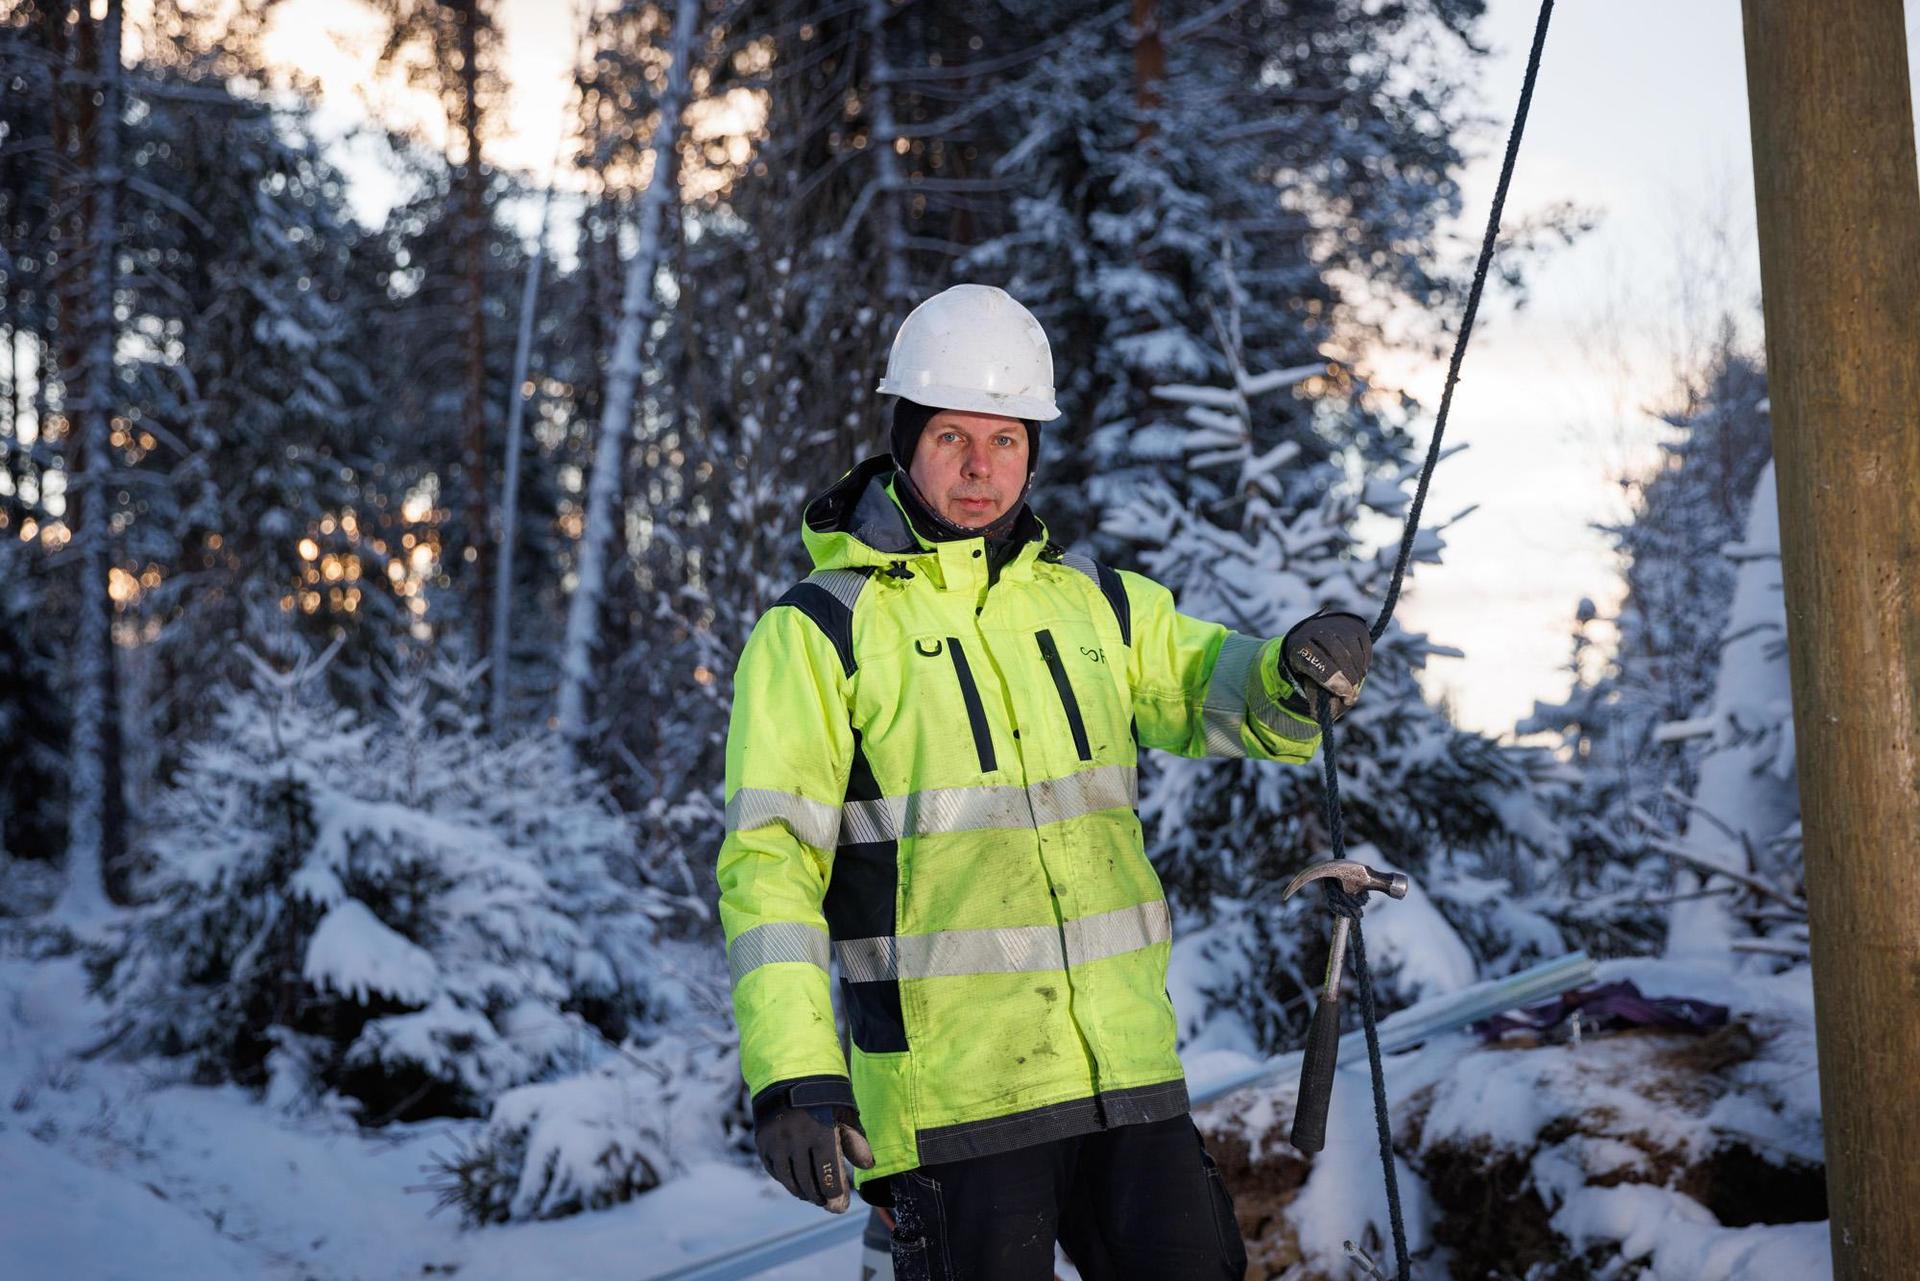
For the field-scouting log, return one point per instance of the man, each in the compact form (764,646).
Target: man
(931,779)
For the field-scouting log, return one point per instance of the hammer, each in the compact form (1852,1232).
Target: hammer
(1323,1036)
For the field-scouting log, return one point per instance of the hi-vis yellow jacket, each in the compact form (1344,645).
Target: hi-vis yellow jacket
(930,782)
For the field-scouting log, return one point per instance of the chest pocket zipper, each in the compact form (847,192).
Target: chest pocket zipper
(1051,652)
(976,714)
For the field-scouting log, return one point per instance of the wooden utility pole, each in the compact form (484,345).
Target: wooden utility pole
(1839,218)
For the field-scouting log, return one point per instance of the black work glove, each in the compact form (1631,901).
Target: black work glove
(803,1129)
(1328,654)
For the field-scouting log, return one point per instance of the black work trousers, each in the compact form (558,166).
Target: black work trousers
(1134,1203)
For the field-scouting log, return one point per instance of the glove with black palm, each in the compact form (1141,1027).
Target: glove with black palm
(804,1128)
(1328,654)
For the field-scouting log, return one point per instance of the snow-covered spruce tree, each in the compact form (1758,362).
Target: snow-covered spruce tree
(650,1088)
(1467,818)
(1665,651)
(1743,814)
(239,412)
(276,494)
(859,217)
(399,913)
(1312,146)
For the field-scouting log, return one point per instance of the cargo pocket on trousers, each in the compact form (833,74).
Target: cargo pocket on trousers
(919,1229)
(1233,1249)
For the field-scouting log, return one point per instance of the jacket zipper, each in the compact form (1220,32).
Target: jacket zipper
(1051,652)
(976,714)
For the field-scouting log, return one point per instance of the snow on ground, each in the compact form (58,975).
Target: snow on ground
(115,1172)
(1640,1155)
(65,1218)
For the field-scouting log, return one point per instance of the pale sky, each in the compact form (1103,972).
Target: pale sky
(1640,111)
(1640,115)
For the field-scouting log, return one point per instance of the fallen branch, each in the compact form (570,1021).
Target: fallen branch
(1673,849)
(1707,865)
(1773,947)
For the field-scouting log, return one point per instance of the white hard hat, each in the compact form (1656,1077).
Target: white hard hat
(973,347)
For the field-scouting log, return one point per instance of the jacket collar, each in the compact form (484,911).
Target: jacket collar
(858,521)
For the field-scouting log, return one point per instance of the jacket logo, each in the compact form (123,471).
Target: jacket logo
(1097,655)
(920,648)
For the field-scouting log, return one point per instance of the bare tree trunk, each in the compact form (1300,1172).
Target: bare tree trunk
(96,839)
(11,507)
(473,192)
(501,674)
(960,223)
(623,375)
(517,397)
(1149,62)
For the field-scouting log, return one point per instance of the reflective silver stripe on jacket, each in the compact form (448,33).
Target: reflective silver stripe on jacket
(1224,710)
(1084,563)
(1094,938)
(843,584)
(940,810)
(1235,691)
(774,942)
(1014,949)
(814,822)
(1278,720)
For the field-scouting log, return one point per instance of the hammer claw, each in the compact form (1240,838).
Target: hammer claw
(1355,877)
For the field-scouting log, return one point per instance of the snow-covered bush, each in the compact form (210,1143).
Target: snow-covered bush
(398,910)
(598,1138)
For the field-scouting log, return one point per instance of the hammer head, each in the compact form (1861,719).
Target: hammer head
(1353,877)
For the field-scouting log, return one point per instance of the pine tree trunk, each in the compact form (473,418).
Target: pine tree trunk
(623,376)
(1149,62)
(96,840)
(961,226)
(473,192)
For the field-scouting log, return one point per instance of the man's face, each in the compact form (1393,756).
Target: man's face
(970,466)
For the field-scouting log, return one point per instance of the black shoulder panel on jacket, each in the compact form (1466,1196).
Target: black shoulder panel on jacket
(1108,581)
(1116,593)
(827,598)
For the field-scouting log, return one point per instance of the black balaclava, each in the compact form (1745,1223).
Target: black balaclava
(910,419)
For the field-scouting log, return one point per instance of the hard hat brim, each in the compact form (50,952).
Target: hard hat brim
(1032,408)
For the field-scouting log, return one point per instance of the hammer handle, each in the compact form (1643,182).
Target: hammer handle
(1316,1075)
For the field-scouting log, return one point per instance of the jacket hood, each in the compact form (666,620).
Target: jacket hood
(856,521)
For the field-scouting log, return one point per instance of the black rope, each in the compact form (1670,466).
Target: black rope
(1466,320)
(1339,902)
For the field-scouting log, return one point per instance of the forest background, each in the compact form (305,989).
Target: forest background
(389,473)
